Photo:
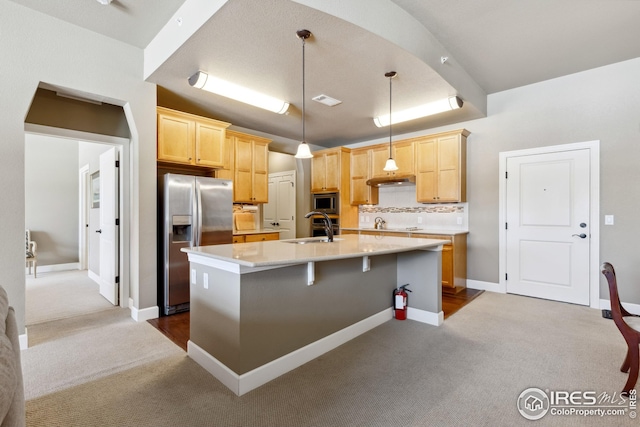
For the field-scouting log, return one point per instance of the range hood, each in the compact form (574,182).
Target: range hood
(392,180)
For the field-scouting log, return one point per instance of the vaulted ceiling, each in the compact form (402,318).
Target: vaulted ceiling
(489,46)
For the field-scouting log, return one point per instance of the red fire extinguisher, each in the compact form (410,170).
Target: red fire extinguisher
(400,300)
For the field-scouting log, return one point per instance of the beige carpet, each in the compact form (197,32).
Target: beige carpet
(467,372)
(63,294)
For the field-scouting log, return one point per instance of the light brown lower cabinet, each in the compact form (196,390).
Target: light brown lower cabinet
(454,256)
(257,237)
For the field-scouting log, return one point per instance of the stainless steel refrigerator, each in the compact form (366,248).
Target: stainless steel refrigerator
(196,211)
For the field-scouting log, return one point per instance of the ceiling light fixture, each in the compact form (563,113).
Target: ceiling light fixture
(391,164)
(303,148)
(104,2)
(447,104)
(205,81)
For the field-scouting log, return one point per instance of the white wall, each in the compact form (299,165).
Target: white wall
(36,48)
(51,198)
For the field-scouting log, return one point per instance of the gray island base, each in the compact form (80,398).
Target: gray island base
(261,309)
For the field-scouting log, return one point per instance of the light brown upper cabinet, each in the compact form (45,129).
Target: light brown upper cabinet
(188,139)
(403,154)
(251,169)
(361,193)
(325,170)
(441,165)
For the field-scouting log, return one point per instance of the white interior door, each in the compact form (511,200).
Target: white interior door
(547,226)
(269,210)
(286,201)
(108,229)
(279,213)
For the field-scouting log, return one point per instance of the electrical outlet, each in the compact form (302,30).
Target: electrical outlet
(459,220)
(608,220)
(193,276)
(419,220)
(205,280)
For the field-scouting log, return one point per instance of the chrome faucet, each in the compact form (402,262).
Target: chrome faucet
(328,227)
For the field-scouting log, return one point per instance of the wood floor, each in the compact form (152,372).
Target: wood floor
(176,326)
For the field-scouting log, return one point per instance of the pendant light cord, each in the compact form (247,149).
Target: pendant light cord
(303,95)
(390,92)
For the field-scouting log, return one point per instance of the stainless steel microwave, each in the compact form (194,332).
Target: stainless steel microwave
(325,202)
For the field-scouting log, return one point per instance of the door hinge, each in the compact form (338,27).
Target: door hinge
(506,277)
(292,183)
(506,175)
(117,221)
(117,279)
(117,163)
(506,225)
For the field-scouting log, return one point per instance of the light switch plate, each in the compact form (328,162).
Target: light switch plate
(608,220)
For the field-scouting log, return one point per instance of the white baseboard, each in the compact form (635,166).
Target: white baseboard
(93,276)
(24,340)
(485,286)
(55,267)
(241,384)
(144,314)
(423,316)
(605,304)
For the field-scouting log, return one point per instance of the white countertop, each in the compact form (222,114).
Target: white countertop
(282,252)
(419,230)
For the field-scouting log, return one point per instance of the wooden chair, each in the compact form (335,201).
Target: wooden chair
(629,326)
(32,254)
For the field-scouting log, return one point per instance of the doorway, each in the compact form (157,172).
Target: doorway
(549,222)
(74,238)
(279,212)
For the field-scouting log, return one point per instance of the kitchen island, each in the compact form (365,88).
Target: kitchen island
(261,309)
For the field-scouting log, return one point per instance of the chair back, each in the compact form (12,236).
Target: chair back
(617,311)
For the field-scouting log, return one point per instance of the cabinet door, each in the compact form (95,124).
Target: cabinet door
(318,173)
(175,138)
(448,169)
(426,171)
(447,266)
(360,191)
(226,171)
(243,182)
(404,155)
(210,146)
(332,171)
(260,173)
(379,156)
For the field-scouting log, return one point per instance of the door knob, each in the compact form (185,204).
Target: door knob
(98,231)
(581,235)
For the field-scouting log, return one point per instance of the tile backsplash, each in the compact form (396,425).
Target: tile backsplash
(399,209)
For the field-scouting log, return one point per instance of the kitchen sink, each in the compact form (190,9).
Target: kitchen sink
(308,240)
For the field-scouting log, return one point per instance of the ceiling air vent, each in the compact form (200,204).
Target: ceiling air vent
(327,100)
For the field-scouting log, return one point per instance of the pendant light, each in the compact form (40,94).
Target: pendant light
(303,148)
(390,166)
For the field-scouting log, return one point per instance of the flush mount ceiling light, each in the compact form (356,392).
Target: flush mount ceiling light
(303,148)
(104,2)
(205,81)
(447,104)
(390,166)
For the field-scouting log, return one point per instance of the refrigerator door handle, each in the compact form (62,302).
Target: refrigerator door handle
(197,208)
